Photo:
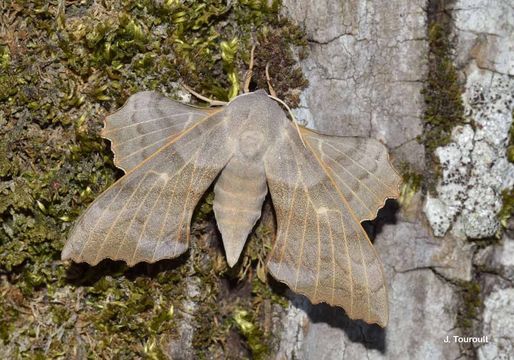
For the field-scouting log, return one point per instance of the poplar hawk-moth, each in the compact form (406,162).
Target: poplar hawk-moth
(321,188)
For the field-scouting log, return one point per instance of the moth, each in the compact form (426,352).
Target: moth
(321,188)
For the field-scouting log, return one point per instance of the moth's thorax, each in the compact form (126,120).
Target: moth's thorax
(260,119)
(251,144)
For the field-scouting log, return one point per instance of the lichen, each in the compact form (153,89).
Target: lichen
(63,67)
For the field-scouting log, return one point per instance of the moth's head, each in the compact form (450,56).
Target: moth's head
(259,100)
(258,94)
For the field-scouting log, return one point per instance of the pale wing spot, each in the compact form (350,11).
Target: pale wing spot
(162,176)
(322,210)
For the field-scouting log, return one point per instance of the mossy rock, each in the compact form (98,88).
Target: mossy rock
(63,67)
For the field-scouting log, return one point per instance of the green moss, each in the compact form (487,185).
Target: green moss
(507,210)
(470,303)
(510,146)
(444,109)
(412,181)
(63,67)
(226,292)
(255,336)
(442,95)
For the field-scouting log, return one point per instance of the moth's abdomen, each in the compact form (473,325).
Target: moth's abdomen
(238,197)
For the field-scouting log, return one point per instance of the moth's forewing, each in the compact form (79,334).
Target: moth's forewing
(147,122)
(145,215)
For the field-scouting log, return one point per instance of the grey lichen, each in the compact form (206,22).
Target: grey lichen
(474,166)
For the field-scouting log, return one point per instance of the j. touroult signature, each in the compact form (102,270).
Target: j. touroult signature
(466,339)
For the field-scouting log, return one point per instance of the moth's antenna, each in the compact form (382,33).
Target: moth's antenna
(273,95)
(203,98)
(292,117)
(268,80)
(249,73)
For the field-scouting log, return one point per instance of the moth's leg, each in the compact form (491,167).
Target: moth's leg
(249,73)
(203,98)
(268,79)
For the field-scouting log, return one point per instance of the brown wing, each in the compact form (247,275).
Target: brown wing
(360,169)
(145,215)
(321,249)
(146,122)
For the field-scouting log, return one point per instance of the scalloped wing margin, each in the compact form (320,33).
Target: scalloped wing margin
(145,215)
(146,122)
(321,250)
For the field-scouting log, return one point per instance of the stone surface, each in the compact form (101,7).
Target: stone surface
(416,329)
(498,324)
(485,29)
(365,70)
(475,168)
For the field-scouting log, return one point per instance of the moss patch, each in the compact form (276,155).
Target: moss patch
(510,147)
(412,181)
(63,67)
(442,93)
(507,210)
(470,304)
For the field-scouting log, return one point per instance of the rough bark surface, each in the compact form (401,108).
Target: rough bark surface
(366,69)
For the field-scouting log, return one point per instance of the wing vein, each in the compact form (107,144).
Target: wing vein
(147,217)
(114,129)
(375,195)
(302,243)
(354,194)
(290,213)
(166,214)
(318,265)
(146,134)
(333,257)
(188,192)
(134,216)
(366,284)
(350,273)
(111,227)
(362,167)
(98,220)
